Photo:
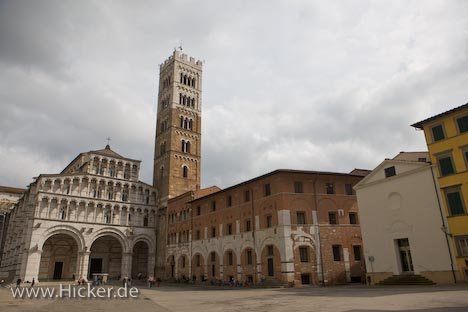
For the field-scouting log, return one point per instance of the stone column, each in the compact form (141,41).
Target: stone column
(151,263)
(126,265)
(83,263)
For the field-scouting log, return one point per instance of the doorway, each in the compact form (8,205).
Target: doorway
(58,270)
(405,256)
(271,271)
(95,266)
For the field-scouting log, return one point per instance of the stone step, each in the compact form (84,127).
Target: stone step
(406,280)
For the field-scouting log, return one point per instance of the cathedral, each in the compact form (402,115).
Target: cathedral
(97,217)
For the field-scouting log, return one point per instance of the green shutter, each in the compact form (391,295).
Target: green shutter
(455,203)
(463,124)
(438,133)
(446,166)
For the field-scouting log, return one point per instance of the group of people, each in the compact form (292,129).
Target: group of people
(19,281)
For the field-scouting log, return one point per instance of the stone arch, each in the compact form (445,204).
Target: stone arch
(63,229)
(249,269)
(111,232)
(213,261)
(198,267)
(183,265)
(229,264)
(270,259)
(59,257)
(107,256)
(140,259)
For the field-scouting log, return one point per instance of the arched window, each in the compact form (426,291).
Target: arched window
(185,79)
(187,147)
(161,172)
(62,214)
(181,78)
(193,103)
(162,148)
(107,217)
(185,171)
(186,123)
(190,124)
(180,98)
(145,221)
(181,121)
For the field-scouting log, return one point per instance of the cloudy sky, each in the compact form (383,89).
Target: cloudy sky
(319,85)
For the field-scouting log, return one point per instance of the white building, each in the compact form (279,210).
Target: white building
(402,221)
(93,217)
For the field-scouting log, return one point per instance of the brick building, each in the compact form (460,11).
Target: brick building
(282,227)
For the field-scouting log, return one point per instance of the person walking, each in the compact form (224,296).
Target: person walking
(18,282)
(33,281)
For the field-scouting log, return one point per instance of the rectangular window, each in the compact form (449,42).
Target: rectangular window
(353,218)
(301,219)
(267,189)
(462,123)
(357,252)
(445,164)
(465,155)
(197,234)
(349,189)
(229,201)
(438,133)
(304,254)
(298,187)
(198,210)
(247,196)
(213,205)
(213,231)
(454,201)
(332,218)
(462,245)
(269,221)
(390,172)
(249,257)
(330,188)
(229,229)
(336,252)
(248,226)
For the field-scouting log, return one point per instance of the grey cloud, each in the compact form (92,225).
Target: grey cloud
(306,84)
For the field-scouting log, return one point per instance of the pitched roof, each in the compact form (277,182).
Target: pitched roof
(107,151)
(420,124)
(360,172)
(8,189)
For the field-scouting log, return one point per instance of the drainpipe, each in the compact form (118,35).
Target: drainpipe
(318,231)
(443,224)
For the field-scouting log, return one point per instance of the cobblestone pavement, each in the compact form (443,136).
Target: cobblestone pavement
(193,299)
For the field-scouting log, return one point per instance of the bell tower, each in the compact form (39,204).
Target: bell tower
(178,127)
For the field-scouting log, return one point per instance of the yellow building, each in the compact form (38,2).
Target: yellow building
(447,140)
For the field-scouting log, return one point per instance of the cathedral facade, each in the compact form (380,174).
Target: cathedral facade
(93,217)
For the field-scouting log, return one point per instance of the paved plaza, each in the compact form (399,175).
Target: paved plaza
(336,299)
